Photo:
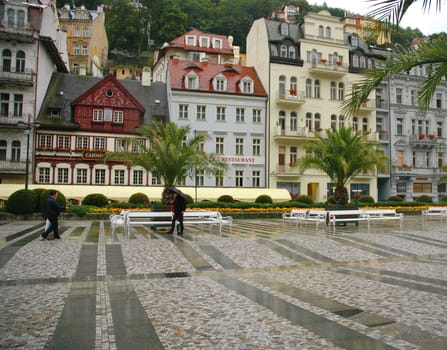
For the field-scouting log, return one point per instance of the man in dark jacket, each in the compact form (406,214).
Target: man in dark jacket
(178,208)
(51,212)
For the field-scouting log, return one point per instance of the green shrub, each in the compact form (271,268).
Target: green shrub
(22,202)
(139,198)
(44,196)
(40,193)
(80,210)
(95,199)
(366,198)
(395,199)
(264,198)
(226,198)
(302,198)
(189,199)
(443,199)
(331,199)
(124,205)
(424,199)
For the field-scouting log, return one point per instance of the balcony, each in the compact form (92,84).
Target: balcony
(18,34)
(291,98)
(12,167)
(17,78)
(423,140)
(287,133)
(328,69)
(368,105)
(287,170)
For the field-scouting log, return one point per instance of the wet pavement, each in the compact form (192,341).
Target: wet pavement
(261,285)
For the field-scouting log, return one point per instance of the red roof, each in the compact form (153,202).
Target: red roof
(206,72)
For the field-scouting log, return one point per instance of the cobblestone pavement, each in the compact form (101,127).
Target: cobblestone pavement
(261,285)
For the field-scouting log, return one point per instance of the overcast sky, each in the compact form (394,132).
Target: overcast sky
(427,23)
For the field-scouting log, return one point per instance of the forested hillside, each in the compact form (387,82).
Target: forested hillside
(135,31)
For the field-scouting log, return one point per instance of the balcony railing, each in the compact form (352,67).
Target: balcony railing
(297,97)
(326,68)
(9,166)
(298,132)
(20,78)
(287,169)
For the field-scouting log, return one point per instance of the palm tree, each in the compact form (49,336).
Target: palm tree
(432,53)
(342,155)
(169,154)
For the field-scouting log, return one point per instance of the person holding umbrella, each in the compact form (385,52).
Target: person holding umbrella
(178,209)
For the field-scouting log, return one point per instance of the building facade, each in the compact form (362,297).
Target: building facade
(32,48)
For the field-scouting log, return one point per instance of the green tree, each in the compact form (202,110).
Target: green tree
(432,53)
(170,154)
(342,155)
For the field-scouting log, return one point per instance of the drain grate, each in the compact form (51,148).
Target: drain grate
(177,274)
(348,312)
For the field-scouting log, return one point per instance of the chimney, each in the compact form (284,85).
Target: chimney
(146,76)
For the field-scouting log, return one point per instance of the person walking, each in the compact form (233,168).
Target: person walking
(178,209)
(51,212)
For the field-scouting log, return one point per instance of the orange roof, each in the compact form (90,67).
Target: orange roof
(206,72)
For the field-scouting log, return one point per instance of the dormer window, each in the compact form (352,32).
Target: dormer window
(191,81)
(220,83)
(191,40)
(283,51)
(204,41)
(217,43)
(292,52)
(354,41)
(247,85)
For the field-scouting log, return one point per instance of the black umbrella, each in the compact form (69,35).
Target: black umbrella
(176,190)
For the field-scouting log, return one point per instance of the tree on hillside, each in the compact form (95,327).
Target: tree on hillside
(432,54)
(169,154)
(342,154)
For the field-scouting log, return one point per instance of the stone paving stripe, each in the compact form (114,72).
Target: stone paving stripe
(394,281)
(306,251)
(133,329)
(285,252)
(87,264)
(76,328)
(424,241)
(114,260)
(363,247)
(337,334)
(219,257)
(77,232)
(23,232)
(93,233)
(192,256)
(380,246)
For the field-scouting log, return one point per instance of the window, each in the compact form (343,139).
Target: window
(217,43)
(333,91)
(401,187)
(420,187)
(183,111)
(220,84)
(219,145)
(247,86)
(440,160)
(118,177)
(15,151)
(283,51)
(85,32)
(413,97)
(308,88)
(398,95)
(427,159)
(256,147)
(75,68)
(6,58)
(292,52)
(293,155)
(192,81)
(256,115)
(63,142)
(100,176)
(341,121)
(99,143)
(84,51)
(155,180)
(439,128)
(62,175)
(82,142)
(400,158)
(118,117)
(204,41)
(191,40)
(256,178)
(18,105)
(4,104)
(98,115)
(44,175)
(240,115)
(239,146)
(317,122)
(355,124)
(239,177)
(137,145)
(438,100)
(341,91)
(10,18)
(201,112)
(81,176)
(399,126)
(362,61)
(293,121)
(45,141)
(200,178)
(3,146)
(364,124)
(221,113)
(328,32)
(77,32)
(320,31)
(282,86)
(317,89)
(76,50)
(355,61)
(137,177)
(309,121)
(20,62)
(219,179)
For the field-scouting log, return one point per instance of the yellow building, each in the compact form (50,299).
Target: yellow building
(87,43)
(366,28)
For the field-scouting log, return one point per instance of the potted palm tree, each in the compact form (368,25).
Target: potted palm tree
(342,154)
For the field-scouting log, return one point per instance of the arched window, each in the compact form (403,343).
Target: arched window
(341,91)
(355,124)
(341,121)
(362,62)
(293,121)
(333,90)
(3,146)
(282,121)
(365,124)
(355,61)
(11,15)
(308,87)
(333,122)
(292,52)
(317,89)
(20,62)
(283,51)
(15,151)
(321,31)
(317,122)
(6,58)
(309,121)
(293,86)
(328,32)
(282,85)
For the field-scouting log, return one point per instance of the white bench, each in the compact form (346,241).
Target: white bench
(440,212)
(293,216)
(335,217)
(384,215)
(128,218)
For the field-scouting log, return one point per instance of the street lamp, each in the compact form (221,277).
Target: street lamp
(28,127)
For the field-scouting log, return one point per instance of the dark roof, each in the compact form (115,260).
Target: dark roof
(65,88)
